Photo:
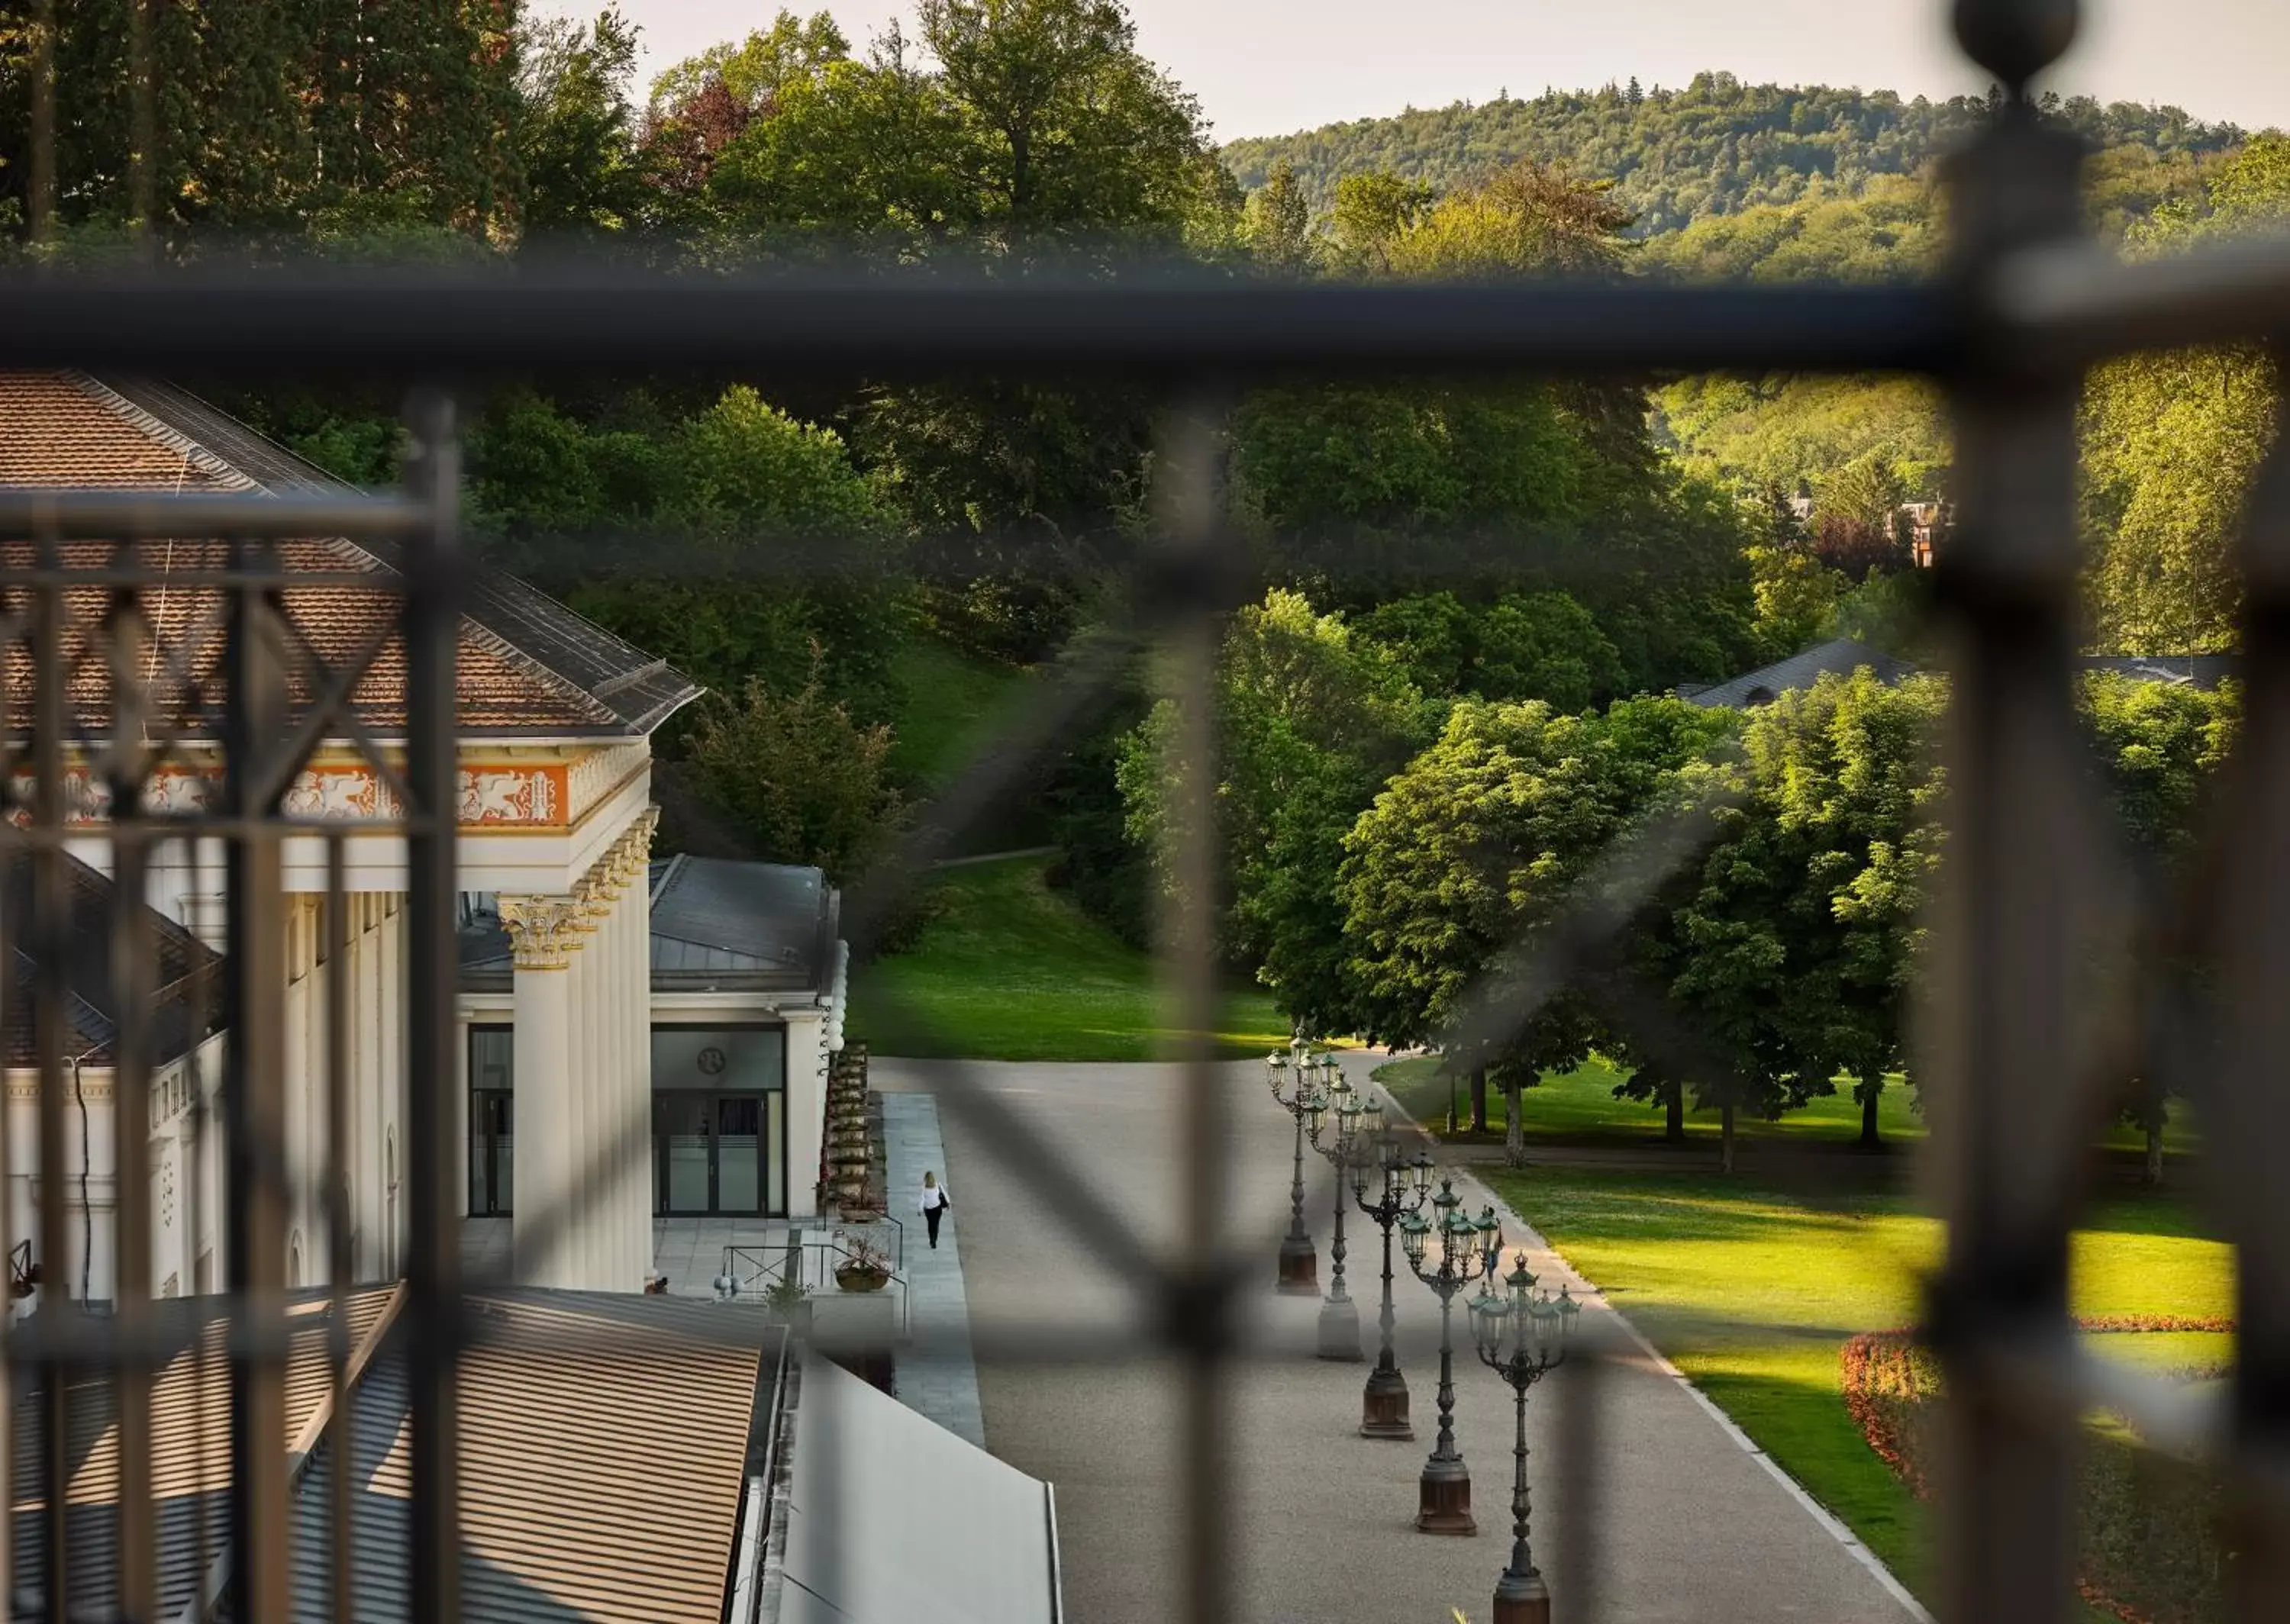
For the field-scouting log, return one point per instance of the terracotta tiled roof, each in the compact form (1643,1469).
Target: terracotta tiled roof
(528,667)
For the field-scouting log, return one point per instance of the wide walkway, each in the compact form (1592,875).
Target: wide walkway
(1687,1524)
(936,1375)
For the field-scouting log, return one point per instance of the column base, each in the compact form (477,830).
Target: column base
(1444,1500)
(1383,1406)
(1299,1268)
(1522,1599)
(1340,1332)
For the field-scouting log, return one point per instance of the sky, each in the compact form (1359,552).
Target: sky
(1268,66)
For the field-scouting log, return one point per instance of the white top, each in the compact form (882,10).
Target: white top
(935,1196)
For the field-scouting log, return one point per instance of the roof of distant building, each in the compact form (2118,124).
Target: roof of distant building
(715,924)
(528,664)
(1841,655)
(186,985)
(2188,670)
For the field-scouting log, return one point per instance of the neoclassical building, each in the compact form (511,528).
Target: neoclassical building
(571,1016)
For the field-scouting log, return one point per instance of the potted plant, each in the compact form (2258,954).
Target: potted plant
(785,1301)
(865,1267)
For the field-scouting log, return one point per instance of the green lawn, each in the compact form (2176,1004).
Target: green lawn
(1752,1292)
(950,702)
(1580,1105)
(1010,969)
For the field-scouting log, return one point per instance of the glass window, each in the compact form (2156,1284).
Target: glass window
(719,1059)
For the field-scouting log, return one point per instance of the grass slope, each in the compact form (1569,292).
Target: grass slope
(951,701)
(1008,969)
(1752,1292)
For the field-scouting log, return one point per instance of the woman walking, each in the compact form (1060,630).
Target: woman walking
(934,1205)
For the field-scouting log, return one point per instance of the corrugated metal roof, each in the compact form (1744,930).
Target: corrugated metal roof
(190,1453)
(604,1444)
(972,1535)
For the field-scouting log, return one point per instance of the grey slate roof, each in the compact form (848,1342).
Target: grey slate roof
(716,923)
(634,692)
(1761,687)
(2191,670)
(186,974)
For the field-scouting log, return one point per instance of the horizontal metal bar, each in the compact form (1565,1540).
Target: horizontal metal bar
(125,514)
(1154,324)
(2077,303)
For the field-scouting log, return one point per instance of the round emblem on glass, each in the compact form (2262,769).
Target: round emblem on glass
(711,1060)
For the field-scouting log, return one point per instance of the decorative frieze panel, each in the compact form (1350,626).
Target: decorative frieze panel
(490,797)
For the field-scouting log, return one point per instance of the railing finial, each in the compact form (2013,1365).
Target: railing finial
(2016,39)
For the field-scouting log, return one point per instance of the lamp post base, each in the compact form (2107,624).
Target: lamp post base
(1383,1406)
(1522,1600)
(1300,1266)
(1339,1333)
(1444,1500)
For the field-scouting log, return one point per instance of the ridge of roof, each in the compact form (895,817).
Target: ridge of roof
(227,449)
(207,462)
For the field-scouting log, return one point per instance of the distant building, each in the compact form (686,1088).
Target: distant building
(1842,656)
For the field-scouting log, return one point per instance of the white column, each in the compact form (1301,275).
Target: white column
(541,936)
(636,923)
(303,1091)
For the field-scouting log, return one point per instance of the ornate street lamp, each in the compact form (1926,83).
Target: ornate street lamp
(1401,1188)
(1469,1249)
(1522,1337)
(1339,1336)
(1291,1076)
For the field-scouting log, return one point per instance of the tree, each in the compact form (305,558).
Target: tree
(807,782)
(1789,944)
(1472,851)
(1856,518)
(576,135)
(2160,745)
(739,492)
(2173,441)
(1311,718)
(1279,224)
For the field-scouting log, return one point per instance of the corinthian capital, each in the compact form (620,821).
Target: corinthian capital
(543,931)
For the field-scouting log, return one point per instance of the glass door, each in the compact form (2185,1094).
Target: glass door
(738,1153)
(687,1149)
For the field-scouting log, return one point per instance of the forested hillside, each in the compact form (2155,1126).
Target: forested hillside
(1716,146)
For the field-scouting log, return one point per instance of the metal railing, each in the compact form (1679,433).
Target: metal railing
(2012,1059)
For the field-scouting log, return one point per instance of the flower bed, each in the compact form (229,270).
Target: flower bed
(2148,1545)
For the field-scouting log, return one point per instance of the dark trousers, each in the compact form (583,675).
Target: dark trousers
(931,1218)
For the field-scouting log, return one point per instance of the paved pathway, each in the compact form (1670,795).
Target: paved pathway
(936,1374)
(1688,1524)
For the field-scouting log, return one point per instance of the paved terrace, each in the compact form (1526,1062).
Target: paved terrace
(935,1374)
(1691,1524)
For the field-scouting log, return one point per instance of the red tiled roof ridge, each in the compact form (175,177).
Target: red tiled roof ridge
(531,665)
(197,455)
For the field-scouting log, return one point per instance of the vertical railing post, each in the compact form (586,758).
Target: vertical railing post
(433,627)
(132,954)
(2001,1053)
(2247,1118)
(254,1094)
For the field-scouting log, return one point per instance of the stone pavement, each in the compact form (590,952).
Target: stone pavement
(936,1374)
(1685,1524)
